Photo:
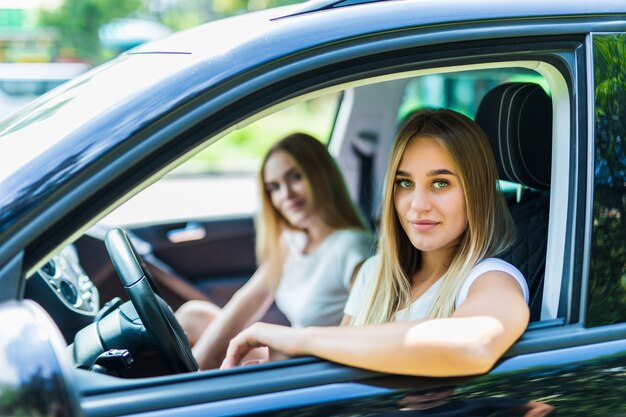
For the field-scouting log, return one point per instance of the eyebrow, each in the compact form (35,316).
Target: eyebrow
(433,173)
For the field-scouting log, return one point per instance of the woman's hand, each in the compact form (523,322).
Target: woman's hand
(281,341)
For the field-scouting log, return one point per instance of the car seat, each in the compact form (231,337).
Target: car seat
(517,118)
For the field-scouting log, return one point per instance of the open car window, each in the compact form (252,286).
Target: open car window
(210,254)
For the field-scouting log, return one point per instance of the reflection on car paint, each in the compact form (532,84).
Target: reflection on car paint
(32,379)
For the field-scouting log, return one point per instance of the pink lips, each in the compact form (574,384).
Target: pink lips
(424,225)
(296,206)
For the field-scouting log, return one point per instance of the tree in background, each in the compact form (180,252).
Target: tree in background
(78,22)
(182,14)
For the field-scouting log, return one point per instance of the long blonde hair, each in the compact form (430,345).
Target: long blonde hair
(490,229)
(327,192)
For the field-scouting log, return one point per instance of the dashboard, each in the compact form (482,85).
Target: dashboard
(65,291)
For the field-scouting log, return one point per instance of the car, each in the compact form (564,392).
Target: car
(545,80)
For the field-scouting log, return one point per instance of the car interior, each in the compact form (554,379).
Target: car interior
(210,255)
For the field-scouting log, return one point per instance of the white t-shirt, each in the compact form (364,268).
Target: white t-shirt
(420,307)
(314,287)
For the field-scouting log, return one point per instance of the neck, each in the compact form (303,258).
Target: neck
(434,264)
(316,230)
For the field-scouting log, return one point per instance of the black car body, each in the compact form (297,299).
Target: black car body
(72,156)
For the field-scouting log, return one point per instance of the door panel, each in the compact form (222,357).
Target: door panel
(215,256)
(215,249)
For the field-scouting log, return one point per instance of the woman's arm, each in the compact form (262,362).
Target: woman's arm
(246,306)
(491,319)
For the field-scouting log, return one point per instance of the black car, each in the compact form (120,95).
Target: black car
(546,81)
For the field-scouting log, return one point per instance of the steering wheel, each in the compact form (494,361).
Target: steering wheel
(157,317)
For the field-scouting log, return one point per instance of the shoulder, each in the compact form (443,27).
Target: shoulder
(363,280)
(367,271)
(370,265)
(496,264)
(489,265)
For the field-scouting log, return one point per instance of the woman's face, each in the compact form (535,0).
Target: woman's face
(287,188)
(428,196)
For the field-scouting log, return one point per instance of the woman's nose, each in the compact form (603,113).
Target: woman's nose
(420,200)
(289,190)
(284,192)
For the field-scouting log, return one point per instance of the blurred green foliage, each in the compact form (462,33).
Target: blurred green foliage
(241,150)
(78,22)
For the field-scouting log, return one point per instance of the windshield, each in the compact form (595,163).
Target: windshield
(47,120)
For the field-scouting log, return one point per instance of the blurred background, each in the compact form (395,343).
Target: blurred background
(44,43)
(93,31)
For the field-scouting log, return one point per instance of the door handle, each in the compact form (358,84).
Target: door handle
(192,231)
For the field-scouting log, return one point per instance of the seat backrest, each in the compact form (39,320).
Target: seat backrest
(517,118)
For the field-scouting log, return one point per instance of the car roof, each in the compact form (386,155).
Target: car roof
(363,17)
(450,6)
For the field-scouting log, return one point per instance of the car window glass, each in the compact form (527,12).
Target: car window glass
(607,277)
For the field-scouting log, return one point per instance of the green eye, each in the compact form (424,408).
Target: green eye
(404,183)
(440,184)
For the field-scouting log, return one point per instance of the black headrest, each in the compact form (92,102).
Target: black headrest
(517,118)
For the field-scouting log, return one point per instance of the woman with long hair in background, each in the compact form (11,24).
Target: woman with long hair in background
(310,242)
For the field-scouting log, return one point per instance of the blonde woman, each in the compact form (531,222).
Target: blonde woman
(310,242)
(435,301)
